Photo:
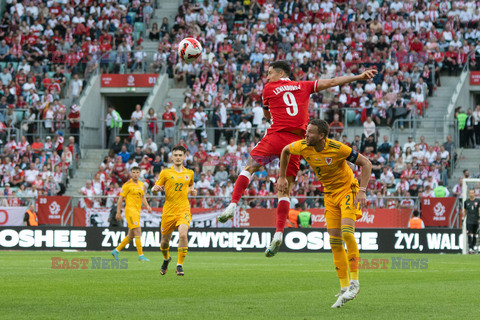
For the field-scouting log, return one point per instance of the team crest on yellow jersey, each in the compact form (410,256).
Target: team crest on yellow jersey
(328,161)
(186,178)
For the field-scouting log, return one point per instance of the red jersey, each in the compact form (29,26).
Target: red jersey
(287,102)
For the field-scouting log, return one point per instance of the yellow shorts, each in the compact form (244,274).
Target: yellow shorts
(339,205)
(171,221)
(133,219)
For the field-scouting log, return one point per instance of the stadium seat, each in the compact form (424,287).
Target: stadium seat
(132,16)
(20,115)
(350,116)
(67,75)
(136,35)
(138,27)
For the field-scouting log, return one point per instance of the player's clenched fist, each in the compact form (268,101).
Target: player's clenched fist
(156,188)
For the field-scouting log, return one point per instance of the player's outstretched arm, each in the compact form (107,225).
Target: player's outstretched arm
(282,183)
(366,165)
(119,208)
(340,81)
(145,204)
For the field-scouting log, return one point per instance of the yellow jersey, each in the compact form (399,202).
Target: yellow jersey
(329,164)
(176,186)
(133,194)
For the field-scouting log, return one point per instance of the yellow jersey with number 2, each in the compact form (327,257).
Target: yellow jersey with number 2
(330,164)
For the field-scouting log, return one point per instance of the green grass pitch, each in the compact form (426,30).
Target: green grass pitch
(234,286)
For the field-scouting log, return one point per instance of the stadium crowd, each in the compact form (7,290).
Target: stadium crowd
(411,43)
(48,49)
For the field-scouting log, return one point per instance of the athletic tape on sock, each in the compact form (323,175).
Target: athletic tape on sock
(246,174)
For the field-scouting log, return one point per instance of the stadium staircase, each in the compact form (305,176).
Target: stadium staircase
(88,166)
(165,8)
(433,131)
(466,159)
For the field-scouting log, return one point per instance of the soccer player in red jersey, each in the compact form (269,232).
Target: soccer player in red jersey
(286,104)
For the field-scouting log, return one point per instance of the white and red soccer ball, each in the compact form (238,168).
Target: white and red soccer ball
(189,50)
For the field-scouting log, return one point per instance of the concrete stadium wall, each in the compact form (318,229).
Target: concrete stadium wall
(158,94)
(92,112)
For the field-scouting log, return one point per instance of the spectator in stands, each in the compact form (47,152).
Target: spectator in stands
(124,154)
(152,123)
(154,33)
(137,116)
(113,123)
(244,129)
(469,130)
(369,144)
(336,127)
(74,120)
(76,86)
(169,118)
(441,191)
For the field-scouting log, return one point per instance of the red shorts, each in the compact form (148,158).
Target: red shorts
(270,148)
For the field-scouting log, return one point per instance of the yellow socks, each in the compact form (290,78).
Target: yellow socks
(352,249)
(340,261)
(124,242)
(182,253)
(165,253)
(138,244)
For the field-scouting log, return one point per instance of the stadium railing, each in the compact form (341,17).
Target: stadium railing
(179,133)
(121,62)
(19,200)
(42,131)
(437,128)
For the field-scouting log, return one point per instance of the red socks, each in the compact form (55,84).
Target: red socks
(241,184)
(282,213)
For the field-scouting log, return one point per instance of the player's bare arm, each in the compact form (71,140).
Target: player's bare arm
(267,114)
(119,208)
(282,183)
(145,204)
(330,83)
(192,191)
(366,166)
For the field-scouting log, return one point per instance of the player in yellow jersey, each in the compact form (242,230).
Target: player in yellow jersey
(133,191)
(177,182)
(344,198)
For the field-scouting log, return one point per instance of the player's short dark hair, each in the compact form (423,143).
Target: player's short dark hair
(322,126)
(179,148)
(135,168)
(285,66)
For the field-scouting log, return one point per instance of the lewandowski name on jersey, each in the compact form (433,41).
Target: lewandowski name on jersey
(285,88)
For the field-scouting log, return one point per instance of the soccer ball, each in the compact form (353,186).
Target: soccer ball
(189,50)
